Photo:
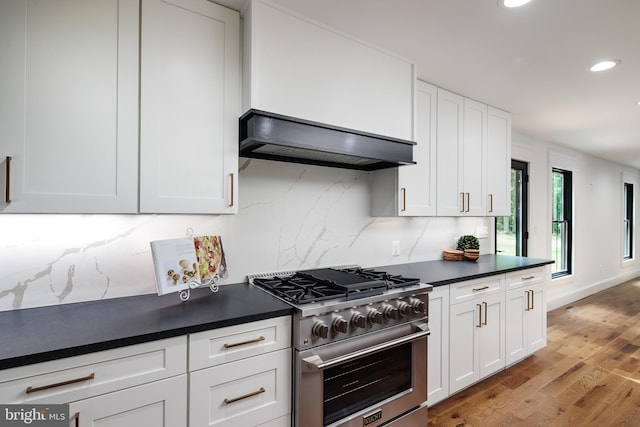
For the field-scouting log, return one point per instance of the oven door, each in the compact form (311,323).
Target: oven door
(367,380)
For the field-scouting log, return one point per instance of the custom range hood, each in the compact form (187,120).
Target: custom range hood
(272,136)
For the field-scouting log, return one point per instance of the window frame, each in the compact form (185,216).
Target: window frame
(566,219)
(628,223)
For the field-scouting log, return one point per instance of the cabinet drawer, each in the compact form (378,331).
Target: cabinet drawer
(527,277)
(80,377)
(211,348)
(471,289)
(247,392)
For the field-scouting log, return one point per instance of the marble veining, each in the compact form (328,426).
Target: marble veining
(290,217)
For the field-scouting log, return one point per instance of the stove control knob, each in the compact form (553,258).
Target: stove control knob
(320,330)
(340,325)
(375,317)
(404,309)
(418,306)
(358,321)
(391,312)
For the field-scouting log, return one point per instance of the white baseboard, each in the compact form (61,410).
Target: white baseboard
(577,294)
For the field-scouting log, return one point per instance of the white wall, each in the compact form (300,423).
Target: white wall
(290,217)
(597,195)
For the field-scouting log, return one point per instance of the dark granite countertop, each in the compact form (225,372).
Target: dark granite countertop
(46,333)
(440,272)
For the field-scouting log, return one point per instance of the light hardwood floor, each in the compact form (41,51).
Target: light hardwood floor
(588,375)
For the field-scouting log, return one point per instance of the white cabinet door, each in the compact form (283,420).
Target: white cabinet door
(471,167)
(411,190)
(69,105)
(464,345)
(438,357)
(492,335)
(537,319)
(526,322)
(477,343)
(189,107)
(498,160)
(157,404)
(449,153)
(516,328)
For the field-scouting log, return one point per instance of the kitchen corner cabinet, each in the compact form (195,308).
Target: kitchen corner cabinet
(477,330)
(498,161)
(526,314)
(411,190)
(69,105)
(461,138)
(143,384)
(189,107)
(438,357)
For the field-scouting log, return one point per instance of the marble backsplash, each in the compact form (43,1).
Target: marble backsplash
(290,217)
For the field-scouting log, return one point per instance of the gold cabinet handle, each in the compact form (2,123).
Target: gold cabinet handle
(528,278)
(468,201)
(7,193)
(232,188)
(49,386)
(261,338)
(490,203)
(404,199)
(479,325)
(245,396)
(532,300)
(480,289)
(461,202)
(485,313)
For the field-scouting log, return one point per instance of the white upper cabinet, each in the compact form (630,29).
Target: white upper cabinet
(297,67)
(474,158)
(69,105)
(498,157)
(411,190)
(189,107)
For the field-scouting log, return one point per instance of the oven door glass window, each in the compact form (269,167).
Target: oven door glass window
(358,384)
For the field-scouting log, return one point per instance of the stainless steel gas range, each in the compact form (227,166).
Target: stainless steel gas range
(360,346)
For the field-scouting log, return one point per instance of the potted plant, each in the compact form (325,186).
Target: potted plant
(470,245)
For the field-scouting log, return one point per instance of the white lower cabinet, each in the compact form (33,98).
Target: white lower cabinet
(526,317)
(481,326)
(477,340)
(438,354)
(236,376)
(241,375)
(158,404)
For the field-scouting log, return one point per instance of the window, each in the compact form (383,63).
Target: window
(511,231)
(628,220)
(561,226)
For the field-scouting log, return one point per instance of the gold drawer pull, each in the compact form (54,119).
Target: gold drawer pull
(480,289)
(528,277)
(235,399)
(47,387)
(261,338)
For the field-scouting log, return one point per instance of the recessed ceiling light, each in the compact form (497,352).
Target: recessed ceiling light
(513,3)
(605,65)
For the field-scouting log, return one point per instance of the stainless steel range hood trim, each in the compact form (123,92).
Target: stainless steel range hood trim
(271,136)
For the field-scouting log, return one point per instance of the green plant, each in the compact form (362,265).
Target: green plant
(468,242)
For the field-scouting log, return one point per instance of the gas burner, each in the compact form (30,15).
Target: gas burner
(300,289)
(392,280)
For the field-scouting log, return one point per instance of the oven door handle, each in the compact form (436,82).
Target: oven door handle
(315,363)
